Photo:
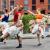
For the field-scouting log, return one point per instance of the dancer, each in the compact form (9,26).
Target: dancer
(17,17)
(38,27)
(35,29)
(15,22)
(13,30)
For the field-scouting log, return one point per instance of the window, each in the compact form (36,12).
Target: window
(33,1)
(25,7)
(48,7)
(48,1)
(48,12)
(25,2)
(3,4)
(11,4)
(41,0)
(33,7)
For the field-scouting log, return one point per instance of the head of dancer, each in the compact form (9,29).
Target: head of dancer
(38,11)
(20,8)
(6,10)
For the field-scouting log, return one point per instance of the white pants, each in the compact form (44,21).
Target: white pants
(36,28)
(5,24)
(13,30)
(41,30)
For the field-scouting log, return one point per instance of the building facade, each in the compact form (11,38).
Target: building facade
(28,4)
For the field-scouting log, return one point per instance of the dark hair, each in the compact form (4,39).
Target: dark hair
(20,9)
(43,11)
(6,10)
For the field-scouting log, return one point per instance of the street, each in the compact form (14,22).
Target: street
(28,44)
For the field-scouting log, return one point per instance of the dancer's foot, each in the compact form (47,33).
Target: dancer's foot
(4,42)
(20,46)
(39,44)
(42,36)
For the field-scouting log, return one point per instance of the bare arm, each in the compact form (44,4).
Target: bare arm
(19,16)
(12,10)
(31,12)
(20,25)
(36,14)
(1,18)
(46,16)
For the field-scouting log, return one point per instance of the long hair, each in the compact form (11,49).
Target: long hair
(6,10)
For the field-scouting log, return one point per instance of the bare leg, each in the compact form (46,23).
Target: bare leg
(4,41)
(38,36)
(20,42)
(42,31)
(4,36)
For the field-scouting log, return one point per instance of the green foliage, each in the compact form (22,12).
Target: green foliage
(26,28)
(1,13)
(26,18)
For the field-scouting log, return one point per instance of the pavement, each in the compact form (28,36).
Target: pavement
(31,36)
(28,44)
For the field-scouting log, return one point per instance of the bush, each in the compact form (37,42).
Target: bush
(25,19)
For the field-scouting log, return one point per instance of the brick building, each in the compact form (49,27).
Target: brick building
(28,4)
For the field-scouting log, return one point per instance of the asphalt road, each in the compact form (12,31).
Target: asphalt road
(28,44)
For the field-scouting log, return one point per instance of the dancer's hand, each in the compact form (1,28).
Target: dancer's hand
(1,19)
(15,8)
(12,10)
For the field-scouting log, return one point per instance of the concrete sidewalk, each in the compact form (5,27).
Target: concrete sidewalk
(28,44)
(32,36)
(29,36)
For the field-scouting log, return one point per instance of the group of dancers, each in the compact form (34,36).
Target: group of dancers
(37,27)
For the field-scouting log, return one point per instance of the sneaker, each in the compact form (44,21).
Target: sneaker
(1,39)
(39,44)
(48,36)
(4,42)
(19,47)
(42,37)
